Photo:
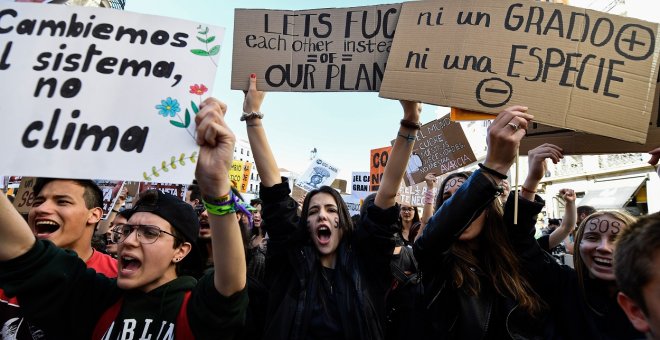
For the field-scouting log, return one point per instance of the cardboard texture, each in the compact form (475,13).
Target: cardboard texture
(25,195)
(441,147)
(377,162)
(596,75)
(578,143)
(414,195)
(317,50)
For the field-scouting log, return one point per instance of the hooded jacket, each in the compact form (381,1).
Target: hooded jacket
(292,270)
(64,298)
(452,313)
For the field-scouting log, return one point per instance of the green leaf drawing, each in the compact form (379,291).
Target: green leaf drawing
(200,52)
(204,31)
(214,50)
(201,39)
(171,165)
(210,39)
(194,107)
(177,124)
(187,119)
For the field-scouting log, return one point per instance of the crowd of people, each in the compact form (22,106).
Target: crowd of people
(217,267)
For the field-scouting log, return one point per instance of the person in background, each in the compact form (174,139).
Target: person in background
(637,272)
(582,300)
(551,242)
(65,212)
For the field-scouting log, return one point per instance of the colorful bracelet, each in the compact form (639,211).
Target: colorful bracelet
(221,206)
(523,189)
(428,197)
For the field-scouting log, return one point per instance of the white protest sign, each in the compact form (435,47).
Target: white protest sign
(360,184)
(318,174)
(98,93)
(353,204)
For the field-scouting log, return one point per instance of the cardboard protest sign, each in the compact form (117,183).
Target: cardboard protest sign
(575,143)
(319,173)
(111,191)
(441,147)
(178,190)
(245,180)
(574,68)
(25,195)
(353,203)
(236,173)
(86,87)
(330,49)
(298,194)
(360,184)
(413,195)
(378,161)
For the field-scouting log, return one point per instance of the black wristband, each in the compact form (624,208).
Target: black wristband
(493,172)
(410,124)
(115,211)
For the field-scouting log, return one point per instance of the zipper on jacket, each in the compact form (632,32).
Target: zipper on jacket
(507,321)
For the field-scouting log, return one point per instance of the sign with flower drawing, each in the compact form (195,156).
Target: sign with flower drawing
(98,93)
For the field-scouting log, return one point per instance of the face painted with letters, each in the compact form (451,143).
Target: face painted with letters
(597,245)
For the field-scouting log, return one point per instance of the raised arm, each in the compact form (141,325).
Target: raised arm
(399,156)
(568,221)
(537,168)
(263,155)
(215,156)
(427,212)
(16,238)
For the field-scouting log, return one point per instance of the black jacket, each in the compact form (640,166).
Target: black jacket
(558,285)
(451,313)
(63,297)
(362,271)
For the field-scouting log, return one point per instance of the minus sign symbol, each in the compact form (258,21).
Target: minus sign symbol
(496,91)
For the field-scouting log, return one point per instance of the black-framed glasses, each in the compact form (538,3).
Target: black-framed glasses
(146,234)
(407,209)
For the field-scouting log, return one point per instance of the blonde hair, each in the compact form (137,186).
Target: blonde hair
(578,262)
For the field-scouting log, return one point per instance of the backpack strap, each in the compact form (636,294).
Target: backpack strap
(183,331)
(107,318)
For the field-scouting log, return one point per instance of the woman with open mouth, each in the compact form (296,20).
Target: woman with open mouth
(327,278)
(582,300)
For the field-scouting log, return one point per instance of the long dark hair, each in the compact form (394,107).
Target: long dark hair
(496,260)
(345,221)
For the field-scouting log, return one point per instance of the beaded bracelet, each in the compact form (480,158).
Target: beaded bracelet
(493,172)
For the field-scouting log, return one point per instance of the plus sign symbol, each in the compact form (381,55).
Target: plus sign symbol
(635,42)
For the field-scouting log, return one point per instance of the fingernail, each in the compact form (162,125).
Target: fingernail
(253,75)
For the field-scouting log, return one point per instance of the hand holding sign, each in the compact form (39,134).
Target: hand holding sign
(217,148)
(504,136)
